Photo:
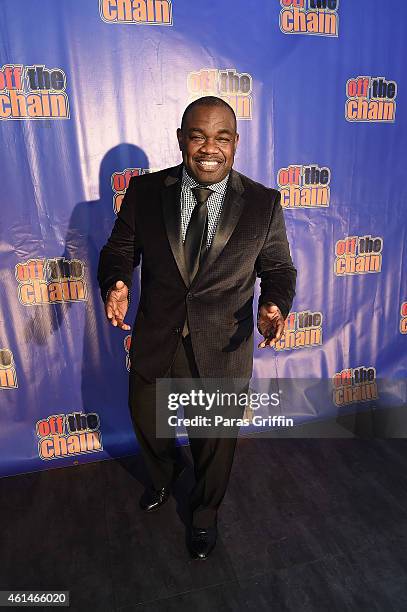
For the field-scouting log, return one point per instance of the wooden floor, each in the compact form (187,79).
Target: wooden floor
(307,524)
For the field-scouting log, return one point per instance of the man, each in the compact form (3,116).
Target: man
(205,232)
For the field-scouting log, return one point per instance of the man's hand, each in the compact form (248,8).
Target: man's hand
(117,304)
(270,323)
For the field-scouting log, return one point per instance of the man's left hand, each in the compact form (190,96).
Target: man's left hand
(270,323)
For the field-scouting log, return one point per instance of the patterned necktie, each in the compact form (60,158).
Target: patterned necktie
(196,236)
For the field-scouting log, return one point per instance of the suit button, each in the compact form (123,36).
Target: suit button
(190,296)
(177,330)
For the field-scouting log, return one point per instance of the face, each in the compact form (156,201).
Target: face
(208,143)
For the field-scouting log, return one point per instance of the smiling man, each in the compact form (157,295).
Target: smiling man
(205,233)
(208,141)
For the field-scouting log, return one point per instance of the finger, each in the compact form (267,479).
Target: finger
(112,317)
(279,331)
(269,329)
(119,285)
(263,343)
(270,339)
(123,326)
(119,318)
(109,311)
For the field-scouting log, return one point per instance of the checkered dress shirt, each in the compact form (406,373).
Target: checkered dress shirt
(214,204)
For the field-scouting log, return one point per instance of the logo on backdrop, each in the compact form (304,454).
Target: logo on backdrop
(304,186)
(65,435)
(143,12)
(370,99)
(318,17)
(8,376)
(120,181)
(354,385)
(33,92)
(358,255)
(233,87)
(127,344)
(403,320)
(301,330)
(51,281)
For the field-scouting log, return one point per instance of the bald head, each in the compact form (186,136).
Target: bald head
(208,101)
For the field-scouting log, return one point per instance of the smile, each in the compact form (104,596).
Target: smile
(208,165)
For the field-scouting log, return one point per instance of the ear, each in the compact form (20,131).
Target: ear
(236,142)
(180,139)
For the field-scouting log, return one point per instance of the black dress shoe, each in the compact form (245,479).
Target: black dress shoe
(152,499)
(202,542)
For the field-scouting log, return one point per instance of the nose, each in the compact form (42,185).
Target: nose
(209,146)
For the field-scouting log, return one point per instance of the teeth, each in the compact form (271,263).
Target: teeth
(209,164)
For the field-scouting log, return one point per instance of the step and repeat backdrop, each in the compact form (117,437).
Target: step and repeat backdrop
(91,94)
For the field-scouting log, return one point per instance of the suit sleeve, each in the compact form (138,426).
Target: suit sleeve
(274,265)
(121,254)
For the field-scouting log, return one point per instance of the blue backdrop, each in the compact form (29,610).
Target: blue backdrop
(92,93)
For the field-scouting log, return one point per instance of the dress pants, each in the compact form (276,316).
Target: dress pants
(213,457)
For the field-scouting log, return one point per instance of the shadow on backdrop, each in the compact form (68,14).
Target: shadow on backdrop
(104,376)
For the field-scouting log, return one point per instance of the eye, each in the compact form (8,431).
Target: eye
(224,140)
(197,137)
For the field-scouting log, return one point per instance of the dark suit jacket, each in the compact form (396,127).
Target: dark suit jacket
(250,241)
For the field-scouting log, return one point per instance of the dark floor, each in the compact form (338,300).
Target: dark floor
(307,524)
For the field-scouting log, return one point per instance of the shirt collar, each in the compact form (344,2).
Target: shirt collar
(191,183)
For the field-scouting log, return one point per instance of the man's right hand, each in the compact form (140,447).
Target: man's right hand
(116,305)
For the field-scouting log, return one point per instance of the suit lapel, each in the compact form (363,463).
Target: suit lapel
(171,204)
